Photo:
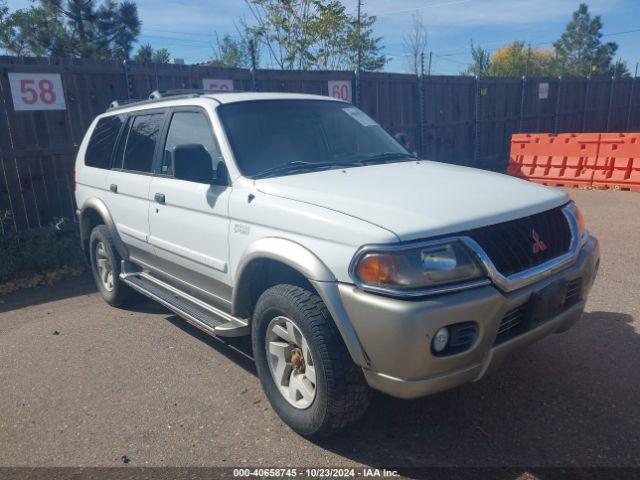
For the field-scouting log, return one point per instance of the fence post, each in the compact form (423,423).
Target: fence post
(252,52)
(421,99)
(613,80)
(476,140)
(586,100)
(127,79)
(630,105)
(522,98)
(556,120)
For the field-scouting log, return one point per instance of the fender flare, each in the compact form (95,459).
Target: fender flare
(313,269)
(99,206)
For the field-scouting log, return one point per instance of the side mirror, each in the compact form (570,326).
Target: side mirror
(192,162)
(222,175)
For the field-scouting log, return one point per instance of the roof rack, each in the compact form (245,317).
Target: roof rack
(158,95)
(123,103)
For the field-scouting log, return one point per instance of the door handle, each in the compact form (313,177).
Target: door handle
(159,198)
(114,188)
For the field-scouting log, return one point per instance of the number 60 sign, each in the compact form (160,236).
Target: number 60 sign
(37,91)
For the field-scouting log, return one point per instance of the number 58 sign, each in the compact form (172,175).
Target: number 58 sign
(37,91)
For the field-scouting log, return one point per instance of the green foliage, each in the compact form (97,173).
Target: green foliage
(231,53)
(45,249)
(516,59)
(580,50)
(146,54)
(74,28)
(314,34)
(481,62)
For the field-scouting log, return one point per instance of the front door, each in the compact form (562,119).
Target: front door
(129,181)
(189,221)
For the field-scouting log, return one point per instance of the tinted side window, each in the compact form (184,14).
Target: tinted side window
(141,142)
(189,128)
(102,141)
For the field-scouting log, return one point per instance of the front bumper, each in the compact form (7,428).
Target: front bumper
(396,334)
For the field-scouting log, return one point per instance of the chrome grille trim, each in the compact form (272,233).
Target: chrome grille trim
(504,283)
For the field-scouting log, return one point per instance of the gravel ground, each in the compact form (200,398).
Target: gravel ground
(84,384)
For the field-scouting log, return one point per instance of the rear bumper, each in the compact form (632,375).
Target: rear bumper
(396,334)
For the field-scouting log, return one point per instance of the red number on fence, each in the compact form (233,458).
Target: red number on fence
(31,92)
(47,93)
(218,86)
(340,91)
(30,95)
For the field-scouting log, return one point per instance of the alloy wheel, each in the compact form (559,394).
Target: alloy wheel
(290,362)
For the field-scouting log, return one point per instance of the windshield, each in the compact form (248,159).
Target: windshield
(291,136)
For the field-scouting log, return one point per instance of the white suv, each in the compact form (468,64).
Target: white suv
(352,264)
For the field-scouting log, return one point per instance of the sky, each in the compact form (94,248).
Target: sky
(186,27)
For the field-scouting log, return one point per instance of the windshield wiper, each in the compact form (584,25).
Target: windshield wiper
(298,165)
(387,157)
(285,167)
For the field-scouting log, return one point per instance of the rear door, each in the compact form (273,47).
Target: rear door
(189,222)
(130,178)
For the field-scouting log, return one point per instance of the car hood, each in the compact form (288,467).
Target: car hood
(418,199)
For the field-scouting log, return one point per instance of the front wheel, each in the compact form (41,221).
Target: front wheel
(303,364)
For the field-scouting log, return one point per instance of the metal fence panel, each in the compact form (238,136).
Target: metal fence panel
(464,120)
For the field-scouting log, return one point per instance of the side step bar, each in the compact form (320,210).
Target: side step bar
(198,313)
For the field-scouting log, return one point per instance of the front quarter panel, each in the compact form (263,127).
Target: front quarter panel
(331,236)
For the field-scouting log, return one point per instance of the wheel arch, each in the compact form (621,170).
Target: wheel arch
(92,213)
(270,261)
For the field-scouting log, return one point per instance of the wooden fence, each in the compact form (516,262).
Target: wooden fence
(452,119)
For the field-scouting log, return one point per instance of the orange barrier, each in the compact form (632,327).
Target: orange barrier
(564,160)
(618,161)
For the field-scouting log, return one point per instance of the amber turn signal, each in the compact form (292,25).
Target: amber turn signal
(580,219)
(377,268)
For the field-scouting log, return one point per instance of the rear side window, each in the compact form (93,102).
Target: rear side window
(102,141)
(140,144)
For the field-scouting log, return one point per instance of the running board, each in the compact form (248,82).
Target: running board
(198,313)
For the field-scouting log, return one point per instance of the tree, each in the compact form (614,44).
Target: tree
(372,58)
(75,28)
(580,50)
(481,62)
(146,54)
(416,43)
(516,59)
(619,69)
(313,34)
(231,53)
(4,12)
(33,31)
(162,55)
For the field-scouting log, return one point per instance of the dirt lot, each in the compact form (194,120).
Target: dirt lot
(84,384)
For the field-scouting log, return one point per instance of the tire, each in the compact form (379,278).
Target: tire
(119,294)
(341,392)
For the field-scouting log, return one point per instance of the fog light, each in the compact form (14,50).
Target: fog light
(440,339)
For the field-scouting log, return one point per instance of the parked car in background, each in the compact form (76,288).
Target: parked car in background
(352,264)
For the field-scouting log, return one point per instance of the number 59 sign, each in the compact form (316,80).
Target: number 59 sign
(37,91)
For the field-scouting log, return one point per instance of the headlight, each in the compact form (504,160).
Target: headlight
(582,232)
(416,268)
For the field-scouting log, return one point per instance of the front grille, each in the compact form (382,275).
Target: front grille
(524,243)
(515,322)
(512,320)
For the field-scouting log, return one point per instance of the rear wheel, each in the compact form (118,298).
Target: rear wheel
(105,264)
(303,364)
